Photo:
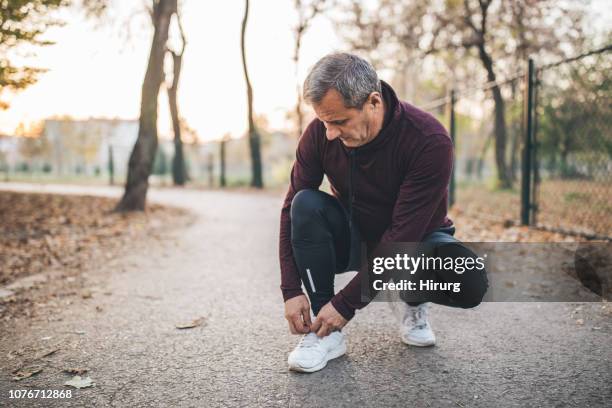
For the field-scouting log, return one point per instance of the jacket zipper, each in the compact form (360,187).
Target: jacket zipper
(351,197)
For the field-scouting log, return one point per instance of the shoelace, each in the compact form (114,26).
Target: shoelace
(309,340)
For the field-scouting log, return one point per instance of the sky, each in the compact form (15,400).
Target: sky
(96,71)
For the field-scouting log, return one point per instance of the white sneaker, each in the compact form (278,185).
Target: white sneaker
(415,329)
(313,352)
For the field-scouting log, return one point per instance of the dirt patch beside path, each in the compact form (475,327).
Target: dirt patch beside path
(46,240)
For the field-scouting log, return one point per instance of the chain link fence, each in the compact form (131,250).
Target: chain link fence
(573,156)
(487,134)
(536,148)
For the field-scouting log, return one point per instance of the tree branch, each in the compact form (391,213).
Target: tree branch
(182,31)
(468,16)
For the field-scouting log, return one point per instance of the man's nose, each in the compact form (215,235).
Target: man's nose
(332,133)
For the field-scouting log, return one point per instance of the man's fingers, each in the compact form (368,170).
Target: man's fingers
(299,324)
(306,316)
(315,325)
(292,327)
(323,331)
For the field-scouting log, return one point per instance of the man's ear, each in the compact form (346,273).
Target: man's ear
(375,99)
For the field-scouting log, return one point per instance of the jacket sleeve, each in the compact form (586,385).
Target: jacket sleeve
(306,173)
(424,186)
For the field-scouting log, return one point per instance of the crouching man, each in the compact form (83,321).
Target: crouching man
(389,165)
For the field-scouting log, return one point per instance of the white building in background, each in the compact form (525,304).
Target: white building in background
(83,146)
(68,147)
(277,151)
(9,152)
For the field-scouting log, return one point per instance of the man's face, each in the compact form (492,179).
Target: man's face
(354,127)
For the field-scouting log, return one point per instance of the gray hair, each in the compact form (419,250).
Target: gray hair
(353,77)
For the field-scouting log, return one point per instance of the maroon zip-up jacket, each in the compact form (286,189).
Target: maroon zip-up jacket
(400,186)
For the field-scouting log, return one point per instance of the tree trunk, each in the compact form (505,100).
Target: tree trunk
(514,146)
(503,176)
(296,59)
(481,158)
(304,20)
(298,112)
(143,154)
(254,139)
(179,172)
(515,139)
(564,150)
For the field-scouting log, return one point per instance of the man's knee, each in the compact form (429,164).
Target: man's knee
(305,205)
(473,289)
(474,282)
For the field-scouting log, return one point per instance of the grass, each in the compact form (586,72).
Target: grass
(574,205)
(574,196)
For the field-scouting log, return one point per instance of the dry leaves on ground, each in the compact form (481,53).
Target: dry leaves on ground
(190,325)
(79,382)
(41,231)
(26,372)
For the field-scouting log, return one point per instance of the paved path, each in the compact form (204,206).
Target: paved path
(224,267)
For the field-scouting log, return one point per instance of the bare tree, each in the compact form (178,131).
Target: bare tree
(503,34)
(306,11)
(143,154)
(498,33)
(387,32)
(179,172)
(477,38)
(254,138)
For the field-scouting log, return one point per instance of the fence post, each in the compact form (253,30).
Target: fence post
(528,116)
(535,168)
(453,133)
(111,166)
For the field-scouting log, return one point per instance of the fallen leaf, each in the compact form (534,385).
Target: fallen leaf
(4,293)
(150,297)
(76,371)
(78,382)
(195,323)
(580,322)
(26,372)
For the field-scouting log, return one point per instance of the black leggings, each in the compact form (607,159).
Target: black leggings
(324,246)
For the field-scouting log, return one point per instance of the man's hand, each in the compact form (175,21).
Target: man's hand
(328,319)
(297,313)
